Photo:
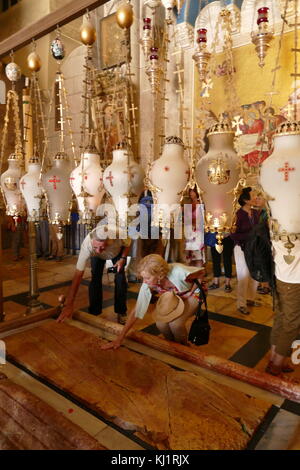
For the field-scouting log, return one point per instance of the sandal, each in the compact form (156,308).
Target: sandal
(243,310)
(252,303)
(213,286)
(273,370)
(227,288)
(264,290)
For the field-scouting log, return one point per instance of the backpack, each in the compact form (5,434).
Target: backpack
(258,254)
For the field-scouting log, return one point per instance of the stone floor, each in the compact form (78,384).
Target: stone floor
(244,340)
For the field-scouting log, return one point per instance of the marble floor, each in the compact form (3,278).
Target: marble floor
(244,340)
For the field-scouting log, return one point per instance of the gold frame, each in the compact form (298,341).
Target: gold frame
(111,35)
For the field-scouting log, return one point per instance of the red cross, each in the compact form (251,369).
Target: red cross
(22,184)
(54,181)
(286,170)
(110,178)
(166,168)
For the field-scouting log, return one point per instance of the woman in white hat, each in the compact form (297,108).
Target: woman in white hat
(178,298)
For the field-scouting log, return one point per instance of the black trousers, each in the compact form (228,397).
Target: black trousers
(228,246)
(95,287)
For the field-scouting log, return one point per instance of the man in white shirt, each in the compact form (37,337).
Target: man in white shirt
(286,327)
(100,248)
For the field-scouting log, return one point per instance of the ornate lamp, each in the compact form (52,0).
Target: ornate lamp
(280,179)
(57,187)
(217,174)
(10,179)
(153,70)
(31,189)
(56,181)
(146,40)
(262,38)
(86,178)
(201,55)
(122,179)
(167,178)
(87,183)
(10,185)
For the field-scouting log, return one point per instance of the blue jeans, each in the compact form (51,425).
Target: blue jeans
(95,287)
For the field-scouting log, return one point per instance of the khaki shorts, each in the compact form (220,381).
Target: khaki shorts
(286,327)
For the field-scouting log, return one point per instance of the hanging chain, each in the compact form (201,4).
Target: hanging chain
(296,51)
(277,66)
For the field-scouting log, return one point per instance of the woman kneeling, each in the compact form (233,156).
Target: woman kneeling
(178,298)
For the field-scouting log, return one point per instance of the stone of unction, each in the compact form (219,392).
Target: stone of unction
(171,409)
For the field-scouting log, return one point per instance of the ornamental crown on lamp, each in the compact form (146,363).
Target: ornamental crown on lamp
(220,128)
(288,128)
(174,140)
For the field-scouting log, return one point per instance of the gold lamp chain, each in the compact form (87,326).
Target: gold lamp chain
(164,57)
(46,134)
(277,66)
(296,51)
(41,113)
(37,115)
(4,130)
(61,114)
(28,115)
(68,120)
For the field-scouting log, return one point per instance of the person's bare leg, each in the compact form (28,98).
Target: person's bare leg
(278,360)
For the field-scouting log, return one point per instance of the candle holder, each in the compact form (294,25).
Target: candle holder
(153,70)
(201,55)
(217,225)
(262,38)
(146,40)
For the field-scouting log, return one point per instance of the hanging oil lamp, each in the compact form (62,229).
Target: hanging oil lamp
(217,174)
(153,70)
(31,188)
(146,40)
(10,179)
(201,55)
(262,38)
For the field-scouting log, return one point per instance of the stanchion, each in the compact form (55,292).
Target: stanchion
(34,304)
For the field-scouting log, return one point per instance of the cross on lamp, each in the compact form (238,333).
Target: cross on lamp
(286,169)
(110,178)
(54,181)
(22,184)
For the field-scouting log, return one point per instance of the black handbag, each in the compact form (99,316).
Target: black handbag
(200,328)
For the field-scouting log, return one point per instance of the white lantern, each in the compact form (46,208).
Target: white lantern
(217,174)
(87,184)
(168,177)
(31,189)
(10,185)
(280,178)
(58,190)
(116,179)
(169,173)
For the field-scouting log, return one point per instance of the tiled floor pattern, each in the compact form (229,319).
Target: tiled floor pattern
(243,339)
